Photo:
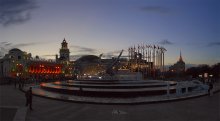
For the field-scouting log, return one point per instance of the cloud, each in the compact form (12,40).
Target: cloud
(111,54)
(165,42)
(49,55)
(23,44)
(3,42)
(6,46)
(75,57)
(3,51)
(214,44)
(15,11)
(81,49)
(155,9)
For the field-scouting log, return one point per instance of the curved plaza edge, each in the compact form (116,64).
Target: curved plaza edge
(37,91)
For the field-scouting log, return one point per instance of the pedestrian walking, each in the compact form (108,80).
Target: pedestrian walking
(28,96)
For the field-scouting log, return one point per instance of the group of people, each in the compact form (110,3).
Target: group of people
(20,82)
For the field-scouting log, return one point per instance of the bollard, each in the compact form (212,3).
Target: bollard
(168,89)
(178,89)
(186,89)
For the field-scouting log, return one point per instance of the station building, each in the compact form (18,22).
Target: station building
(18,63)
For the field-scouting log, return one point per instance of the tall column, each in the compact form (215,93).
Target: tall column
(129,53)
(150,58)
(138,59)
(157,58)
(129,57)
(168,89)
(161,59)
(163,52)
(154,62)
(147,59)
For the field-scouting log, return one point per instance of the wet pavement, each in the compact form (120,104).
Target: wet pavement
(205,108)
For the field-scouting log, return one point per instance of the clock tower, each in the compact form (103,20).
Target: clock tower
(64,51)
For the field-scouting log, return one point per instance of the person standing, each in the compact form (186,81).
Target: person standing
(28,96)
(210,89)
(19,82)
(15,82)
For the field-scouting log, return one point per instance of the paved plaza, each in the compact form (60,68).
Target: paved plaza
(203,108)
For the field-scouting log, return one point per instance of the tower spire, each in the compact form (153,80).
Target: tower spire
(180,59)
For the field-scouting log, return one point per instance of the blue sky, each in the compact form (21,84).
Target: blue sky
(107,26)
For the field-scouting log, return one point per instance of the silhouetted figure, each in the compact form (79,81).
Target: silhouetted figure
(80,87)
(210,89)
(22,83)
(15,81)
(28,96)
(19,83)
(9,81)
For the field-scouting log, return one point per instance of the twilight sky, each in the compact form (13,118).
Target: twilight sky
(107,26)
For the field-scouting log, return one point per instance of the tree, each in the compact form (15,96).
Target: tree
(193,71)
(204,69)
(215,70)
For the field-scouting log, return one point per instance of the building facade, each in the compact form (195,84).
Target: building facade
(64,59)
(14,63)
(18,63)
(179,66)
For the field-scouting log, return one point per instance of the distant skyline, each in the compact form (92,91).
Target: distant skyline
(108,26)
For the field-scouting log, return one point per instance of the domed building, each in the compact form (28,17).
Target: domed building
(88,58)
(14,61)
(89,65)
(17,54)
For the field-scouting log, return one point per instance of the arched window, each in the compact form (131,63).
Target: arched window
(19,57)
